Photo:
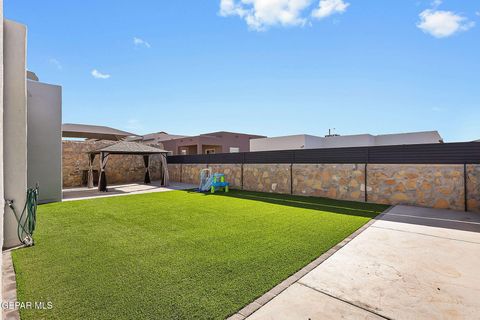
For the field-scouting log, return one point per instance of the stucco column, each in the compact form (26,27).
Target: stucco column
(14,125)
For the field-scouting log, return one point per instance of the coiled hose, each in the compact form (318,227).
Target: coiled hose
(28,218)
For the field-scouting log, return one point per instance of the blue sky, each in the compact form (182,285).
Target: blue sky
(271,67)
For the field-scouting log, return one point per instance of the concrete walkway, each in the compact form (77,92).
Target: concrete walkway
(83,193)
(412,263)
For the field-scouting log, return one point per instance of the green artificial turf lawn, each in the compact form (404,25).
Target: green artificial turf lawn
(174,255)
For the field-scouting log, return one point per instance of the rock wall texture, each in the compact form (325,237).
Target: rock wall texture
(175,172)
(191,173)
(473,187)
(232,172)
(435,186)
(267,177)
(337,181)
(120,168)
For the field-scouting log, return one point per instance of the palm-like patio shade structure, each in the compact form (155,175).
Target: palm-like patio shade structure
(128,148)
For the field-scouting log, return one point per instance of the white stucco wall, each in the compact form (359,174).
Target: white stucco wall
(357,140)
(303,141)
(44,153)
(15,125)
(408,138)
(278,143)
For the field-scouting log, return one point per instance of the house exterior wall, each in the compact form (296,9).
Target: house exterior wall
(44,116)
(14,125)
(278,143)
(360,140)
(222,141)
(120,168)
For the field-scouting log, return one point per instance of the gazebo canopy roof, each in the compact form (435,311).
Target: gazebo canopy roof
(71,130)
(125,147)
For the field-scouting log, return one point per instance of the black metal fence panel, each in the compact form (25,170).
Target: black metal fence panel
(438,153)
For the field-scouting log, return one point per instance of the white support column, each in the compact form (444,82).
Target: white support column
(14,125)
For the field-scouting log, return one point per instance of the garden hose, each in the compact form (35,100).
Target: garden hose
(28,218)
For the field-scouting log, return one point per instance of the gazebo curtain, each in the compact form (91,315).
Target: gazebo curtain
(146,161)
(164,178)
(102,182)
(91,158)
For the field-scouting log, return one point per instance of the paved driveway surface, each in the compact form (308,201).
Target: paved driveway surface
(412,263)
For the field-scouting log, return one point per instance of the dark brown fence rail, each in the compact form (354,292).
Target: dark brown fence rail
(438,153)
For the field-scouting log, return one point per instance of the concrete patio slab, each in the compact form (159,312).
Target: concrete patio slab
(412,263)
(300,302)
(83,193)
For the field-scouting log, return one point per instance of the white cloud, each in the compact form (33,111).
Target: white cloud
(138,42)
(98,75)
(328,7)
(441,24)
(477,13)
(261,14)
(56,63)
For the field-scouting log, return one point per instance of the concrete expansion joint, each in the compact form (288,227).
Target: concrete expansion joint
(344,301)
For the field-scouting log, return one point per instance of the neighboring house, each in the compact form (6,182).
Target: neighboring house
(304,141)
(215,142)
(156,137)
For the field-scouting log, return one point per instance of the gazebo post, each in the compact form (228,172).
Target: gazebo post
(102,183)
(146,161)
(91,158)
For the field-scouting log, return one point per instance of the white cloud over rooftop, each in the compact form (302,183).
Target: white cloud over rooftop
(262,14)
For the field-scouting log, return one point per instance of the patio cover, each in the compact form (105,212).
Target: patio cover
(71,130)
(130,148)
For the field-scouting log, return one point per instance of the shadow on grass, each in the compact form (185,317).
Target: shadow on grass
(368,210)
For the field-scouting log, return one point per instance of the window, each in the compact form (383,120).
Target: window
(234,149)
(183,151)
(209,151)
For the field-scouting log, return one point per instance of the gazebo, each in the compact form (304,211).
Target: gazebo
(129,148)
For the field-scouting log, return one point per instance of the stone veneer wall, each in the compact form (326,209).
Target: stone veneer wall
(267,177)
(175,172)
(191,173)
(120,168)
(232,172)
(337,181)
(473,187)
(436,186)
